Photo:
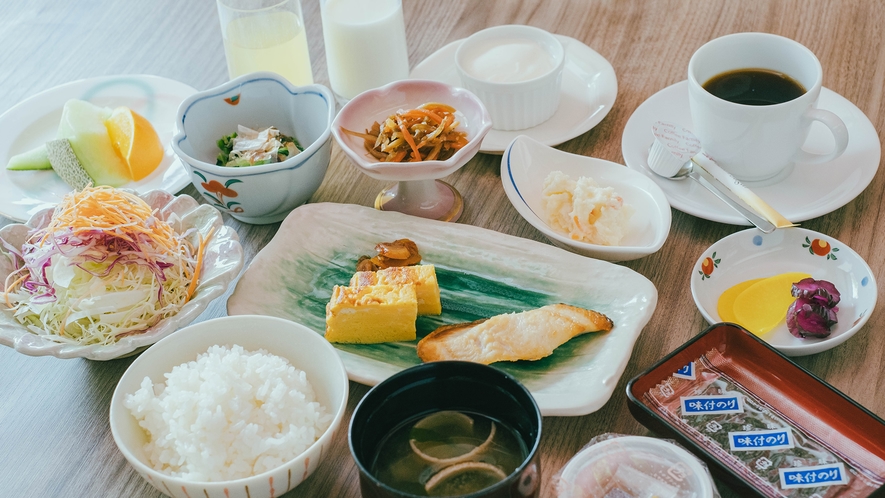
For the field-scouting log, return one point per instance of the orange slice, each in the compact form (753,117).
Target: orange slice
(136,141)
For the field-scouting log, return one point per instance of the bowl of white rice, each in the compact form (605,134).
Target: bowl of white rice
(237,406)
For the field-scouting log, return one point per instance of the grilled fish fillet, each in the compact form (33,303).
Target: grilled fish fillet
(530,335)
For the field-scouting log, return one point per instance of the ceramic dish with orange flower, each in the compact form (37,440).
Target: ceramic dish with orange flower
(751,254)
(261,193)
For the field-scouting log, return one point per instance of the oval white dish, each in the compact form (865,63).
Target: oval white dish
(527,162)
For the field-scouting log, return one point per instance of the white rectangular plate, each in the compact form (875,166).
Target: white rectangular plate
(481,273)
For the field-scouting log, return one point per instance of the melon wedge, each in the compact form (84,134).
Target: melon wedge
(32,159)
(83,124)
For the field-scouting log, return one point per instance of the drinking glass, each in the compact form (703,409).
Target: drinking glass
(365,44)
(265,35)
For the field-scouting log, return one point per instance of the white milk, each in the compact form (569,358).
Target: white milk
(365,44)
(507,60)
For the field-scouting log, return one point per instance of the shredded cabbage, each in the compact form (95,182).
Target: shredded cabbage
(101,270)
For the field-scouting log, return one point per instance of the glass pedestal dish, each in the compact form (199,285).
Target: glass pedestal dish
(418,190)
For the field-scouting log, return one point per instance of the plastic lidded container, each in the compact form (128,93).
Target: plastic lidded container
(615,466)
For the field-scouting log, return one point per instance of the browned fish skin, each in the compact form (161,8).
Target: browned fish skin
(530,335)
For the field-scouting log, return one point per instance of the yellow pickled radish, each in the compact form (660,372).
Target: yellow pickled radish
(763,305)
(136,141)
(725,306)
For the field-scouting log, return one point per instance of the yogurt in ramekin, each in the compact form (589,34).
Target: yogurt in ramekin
(516,71)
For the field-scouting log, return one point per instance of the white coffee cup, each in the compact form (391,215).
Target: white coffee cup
(756,143)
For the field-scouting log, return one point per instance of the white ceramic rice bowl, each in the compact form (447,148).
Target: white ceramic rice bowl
(305,350)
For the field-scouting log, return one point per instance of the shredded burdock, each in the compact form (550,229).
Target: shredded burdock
(426,133)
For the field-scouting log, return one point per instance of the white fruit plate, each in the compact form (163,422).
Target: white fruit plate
(34,121)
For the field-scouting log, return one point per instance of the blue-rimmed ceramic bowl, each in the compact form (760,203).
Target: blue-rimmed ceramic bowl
(265,193)
(527,162)
(751,254)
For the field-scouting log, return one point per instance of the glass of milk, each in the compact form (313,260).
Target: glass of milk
(265,35)
(365,44)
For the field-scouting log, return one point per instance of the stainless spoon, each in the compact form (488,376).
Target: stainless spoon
(689,171)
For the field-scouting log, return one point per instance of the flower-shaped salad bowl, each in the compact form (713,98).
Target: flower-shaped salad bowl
(221,263)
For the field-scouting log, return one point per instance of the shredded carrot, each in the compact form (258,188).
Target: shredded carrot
(12,286)
(422,134)
(409,139)
(197,270)
(61,329)
(109,210)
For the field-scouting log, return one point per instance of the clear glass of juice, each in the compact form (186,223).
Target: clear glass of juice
(265,35)
(365,44)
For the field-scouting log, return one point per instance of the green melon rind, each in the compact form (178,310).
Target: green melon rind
(34,159)
(66,164)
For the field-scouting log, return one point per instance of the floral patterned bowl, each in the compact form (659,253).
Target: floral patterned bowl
(222,262)
(264,193)
(752,254)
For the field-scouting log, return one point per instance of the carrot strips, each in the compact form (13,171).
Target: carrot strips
(426,133)
(202,249)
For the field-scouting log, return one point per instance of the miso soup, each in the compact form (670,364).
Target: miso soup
(448,453)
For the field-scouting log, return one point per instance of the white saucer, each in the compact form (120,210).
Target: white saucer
(807,192)
(589,88)
(34,121)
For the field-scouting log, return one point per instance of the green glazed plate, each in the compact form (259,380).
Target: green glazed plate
(481,273)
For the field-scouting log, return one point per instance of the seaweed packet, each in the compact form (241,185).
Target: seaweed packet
(781,451)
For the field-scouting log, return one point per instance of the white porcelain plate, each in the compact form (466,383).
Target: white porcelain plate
(481,273)
(808,192)
(34,122)
(525,165)
(589,88)
(751,254)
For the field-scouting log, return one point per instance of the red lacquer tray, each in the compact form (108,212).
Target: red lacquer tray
(818,413)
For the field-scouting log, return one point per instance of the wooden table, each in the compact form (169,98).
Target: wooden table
(54,433)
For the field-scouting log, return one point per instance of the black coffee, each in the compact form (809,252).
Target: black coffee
(754,87)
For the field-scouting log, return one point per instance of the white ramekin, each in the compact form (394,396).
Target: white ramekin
(516,105)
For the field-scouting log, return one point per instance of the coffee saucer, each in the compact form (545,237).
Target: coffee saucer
(589,88)
(807,191)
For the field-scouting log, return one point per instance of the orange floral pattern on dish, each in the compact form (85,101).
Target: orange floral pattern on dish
(820,247)
(708,265)
(215,192)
